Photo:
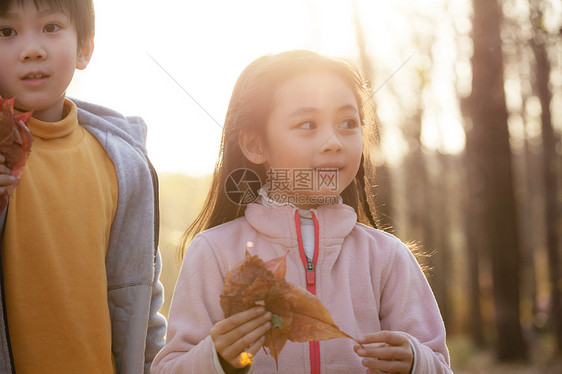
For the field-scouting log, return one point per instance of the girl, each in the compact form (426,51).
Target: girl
(301,122)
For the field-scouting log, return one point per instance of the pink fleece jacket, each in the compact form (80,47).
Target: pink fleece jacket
(366,278)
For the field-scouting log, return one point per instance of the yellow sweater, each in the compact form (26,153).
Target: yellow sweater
(54,248)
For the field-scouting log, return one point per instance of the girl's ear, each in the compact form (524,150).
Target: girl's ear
(85,53)
(252,147)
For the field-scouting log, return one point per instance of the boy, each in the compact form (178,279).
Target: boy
(79,264)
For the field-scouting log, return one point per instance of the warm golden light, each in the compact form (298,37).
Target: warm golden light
(245,358)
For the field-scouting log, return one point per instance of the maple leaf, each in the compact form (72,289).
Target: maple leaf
(15,142)
(298,315)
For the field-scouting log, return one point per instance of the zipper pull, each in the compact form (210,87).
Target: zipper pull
(310,274)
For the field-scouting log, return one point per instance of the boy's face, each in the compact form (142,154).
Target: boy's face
(39,53)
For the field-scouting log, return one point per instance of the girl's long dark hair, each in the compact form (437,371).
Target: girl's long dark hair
(249,109)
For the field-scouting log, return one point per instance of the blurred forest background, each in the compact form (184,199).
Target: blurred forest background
(488,211)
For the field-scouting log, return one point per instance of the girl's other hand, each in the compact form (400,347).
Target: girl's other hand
(6,179)
(241,332)
(386,352)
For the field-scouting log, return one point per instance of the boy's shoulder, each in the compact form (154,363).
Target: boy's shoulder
(98,118)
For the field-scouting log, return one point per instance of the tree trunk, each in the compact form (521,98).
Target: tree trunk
(475,244)
(439,224)
(489,150)
(542,74)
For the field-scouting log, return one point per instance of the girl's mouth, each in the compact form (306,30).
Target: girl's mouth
(330,165)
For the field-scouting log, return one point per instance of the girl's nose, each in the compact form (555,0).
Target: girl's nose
(33,50)
(331,142)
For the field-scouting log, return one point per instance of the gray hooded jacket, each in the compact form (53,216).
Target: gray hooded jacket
(133,262)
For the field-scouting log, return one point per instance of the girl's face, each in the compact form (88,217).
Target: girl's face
(313,142)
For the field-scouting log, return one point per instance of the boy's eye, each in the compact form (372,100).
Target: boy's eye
(6,32)
(307,126)
(349,124)
(51,27)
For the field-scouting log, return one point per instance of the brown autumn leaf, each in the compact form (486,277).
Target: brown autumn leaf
(15,141)
(298,315)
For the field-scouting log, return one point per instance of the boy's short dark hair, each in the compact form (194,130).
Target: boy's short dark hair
(80,12)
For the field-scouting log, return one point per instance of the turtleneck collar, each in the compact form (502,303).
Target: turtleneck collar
(59,129)
(63,134)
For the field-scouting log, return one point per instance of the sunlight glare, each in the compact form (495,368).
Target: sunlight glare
(202,48)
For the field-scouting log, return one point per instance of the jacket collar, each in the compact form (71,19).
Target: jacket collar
(278,223)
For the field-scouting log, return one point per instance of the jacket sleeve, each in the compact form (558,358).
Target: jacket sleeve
(408,305)
(156,333)
(6,358)
(156,322)
(194,310)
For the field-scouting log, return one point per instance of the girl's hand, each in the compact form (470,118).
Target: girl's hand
(386,352)
(241,332)
(6,179)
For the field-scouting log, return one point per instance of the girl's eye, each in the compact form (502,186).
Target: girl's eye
(307,126)
(6,32)
(51,27)
(349,124)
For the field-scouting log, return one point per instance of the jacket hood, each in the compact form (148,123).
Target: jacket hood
(130,128)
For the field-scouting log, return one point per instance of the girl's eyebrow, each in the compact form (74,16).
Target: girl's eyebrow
(303,110)
(307,109)
(348,107)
